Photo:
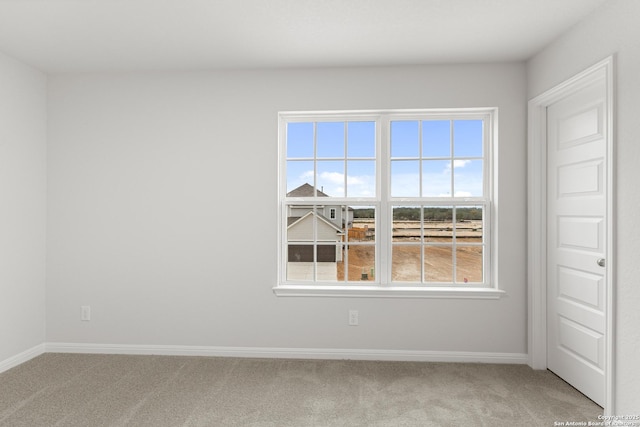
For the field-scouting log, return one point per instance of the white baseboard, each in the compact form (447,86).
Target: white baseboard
(291,353)
(20,358)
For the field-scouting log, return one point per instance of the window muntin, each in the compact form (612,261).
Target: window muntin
(430,247)
(324,249)
(337,157)
(437,158)
(381,164)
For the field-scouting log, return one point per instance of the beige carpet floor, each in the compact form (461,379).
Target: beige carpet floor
(115,390)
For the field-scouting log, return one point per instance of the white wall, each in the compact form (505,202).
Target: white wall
(613,29)
(144,170)
(22,208)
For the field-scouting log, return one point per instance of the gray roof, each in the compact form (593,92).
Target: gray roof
(305,190)
(292,220)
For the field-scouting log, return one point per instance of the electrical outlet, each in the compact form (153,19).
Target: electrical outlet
(85,313)
(353,317)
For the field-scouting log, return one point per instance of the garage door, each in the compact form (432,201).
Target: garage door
(304,253)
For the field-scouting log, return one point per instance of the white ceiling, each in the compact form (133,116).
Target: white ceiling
(93,35)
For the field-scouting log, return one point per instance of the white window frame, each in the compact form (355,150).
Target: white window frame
(383,203)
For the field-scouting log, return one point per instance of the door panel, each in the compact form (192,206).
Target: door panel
(580,233)
(576,239)
(584,288)
(580,127)
(580,179)
(583,342)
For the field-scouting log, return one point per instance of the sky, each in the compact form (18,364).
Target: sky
(349,148)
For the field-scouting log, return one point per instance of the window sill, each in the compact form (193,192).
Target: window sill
(387,292)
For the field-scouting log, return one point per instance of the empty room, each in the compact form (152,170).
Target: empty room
(319,213)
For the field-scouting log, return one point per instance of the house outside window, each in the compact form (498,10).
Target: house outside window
(387,203)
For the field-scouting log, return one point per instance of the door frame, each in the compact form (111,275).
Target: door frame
(537,220)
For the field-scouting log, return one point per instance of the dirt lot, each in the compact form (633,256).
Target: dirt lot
(406,263)
(438,259)
(361,260)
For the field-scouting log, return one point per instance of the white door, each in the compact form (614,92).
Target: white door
(576,238)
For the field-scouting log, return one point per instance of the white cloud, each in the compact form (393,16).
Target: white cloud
(457,164)
(332,183)
(460,163)
(463,194)
(332,177)
(357,180)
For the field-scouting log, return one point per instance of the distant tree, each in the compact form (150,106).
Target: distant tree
(468,214)
(430,214)
(364,213)
(438,214)
(406,214)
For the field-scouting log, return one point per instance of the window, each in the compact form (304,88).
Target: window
(386,203)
